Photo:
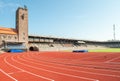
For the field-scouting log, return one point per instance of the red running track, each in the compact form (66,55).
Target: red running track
(59,66)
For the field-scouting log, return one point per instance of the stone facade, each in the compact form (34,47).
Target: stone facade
(20,33)
(22,24)
(8,37)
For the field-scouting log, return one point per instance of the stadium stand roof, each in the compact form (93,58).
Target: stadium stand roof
(51,37)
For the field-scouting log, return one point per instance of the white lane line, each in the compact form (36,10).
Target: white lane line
(5,59)
(81,67)
(8,75)
(67,68)
(111,60)
(15,72)
(54,71)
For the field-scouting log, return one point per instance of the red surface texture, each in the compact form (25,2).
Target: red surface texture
(59,66)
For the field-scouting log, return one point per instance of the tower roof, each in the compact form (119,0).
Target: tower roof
(10,31)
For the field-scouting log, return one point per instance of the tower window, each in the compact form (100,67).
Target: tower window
(22,16)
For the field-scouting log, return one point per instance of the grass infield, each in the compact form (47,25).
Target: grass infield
(105,50)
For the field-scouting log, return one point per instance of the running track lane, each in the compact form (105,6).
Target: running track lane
(3,75)
(45,63)
(21,69)
(57,76)
(77,72)
(20,74)
(77,62)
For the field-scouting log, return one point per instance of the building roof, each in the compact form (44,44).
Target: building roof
(7,31)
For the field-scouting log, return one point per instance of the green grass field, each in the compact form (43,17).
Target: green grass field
(105,50)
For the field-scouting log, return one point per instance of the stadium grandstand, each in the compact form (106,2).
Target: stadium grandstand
(18,38)
(45,43)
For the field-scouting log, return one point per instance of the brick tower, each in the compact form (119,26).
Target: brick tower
(22,24)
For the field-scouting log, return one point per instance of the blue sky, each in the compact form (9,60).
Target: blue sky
(78,19)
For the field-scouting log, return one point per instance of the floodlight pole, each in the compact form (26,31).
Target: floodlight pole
(114,32)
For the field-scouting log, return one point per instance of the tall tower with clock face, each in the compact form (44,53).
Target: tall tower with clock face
(22,24)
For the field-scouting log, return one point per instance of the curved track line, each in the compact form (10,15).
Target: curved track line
(54,71)
(111,60)
(70,69)
(8,75)
(5,59)
(82,67)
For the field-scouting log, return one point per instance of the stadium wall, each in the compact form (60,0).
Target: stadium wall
(59,44)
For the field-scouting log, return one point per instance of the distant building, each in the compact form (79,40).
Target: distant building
(19,35)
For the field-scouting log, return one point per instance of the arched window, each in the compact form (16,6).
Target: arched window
(15,37)
(9,37)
